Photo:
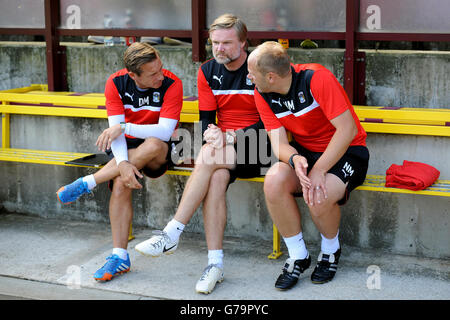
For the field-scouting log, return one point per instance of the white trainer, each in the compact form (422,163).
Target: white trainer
(157,245)
(211,275)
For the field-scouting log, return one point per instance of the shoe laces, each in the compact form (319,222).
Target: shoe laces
(206,271)
(161,238)
(111,263)
(78,188)
(325,261)
(326,258)
(289,266)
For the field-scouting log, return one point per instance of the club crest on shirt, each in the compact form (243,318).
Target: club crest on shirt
(248,81)
(156,97)
(301,97)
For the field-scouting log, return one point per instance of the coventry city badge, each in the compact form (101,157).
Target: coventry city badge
(248,81)
(156,97)
(301,97)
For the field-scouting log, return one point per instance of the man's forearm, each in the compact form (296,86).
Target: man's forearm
(339,143)
(119,145)
(163,130)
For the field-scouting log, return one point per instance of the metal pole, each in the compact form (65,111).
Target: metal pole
(55,55)
(198,26)
(352,16)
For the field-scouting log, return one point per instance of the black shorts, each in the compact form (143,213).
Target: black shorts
(133,143)
(253,155)
(351,168)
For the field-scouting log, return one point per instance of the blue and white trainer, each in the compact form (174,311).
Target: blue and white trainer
(73,191)
(114,266)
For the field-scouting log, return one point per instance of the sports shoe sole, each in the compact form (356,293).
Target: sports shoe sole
(152,255)
(322,282)
(288,288)
(284,289)
(208,292)
(308,264)
(109,277)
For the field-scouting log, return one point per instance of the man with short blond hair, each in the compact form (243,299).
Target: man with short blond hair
(143,103)
(224,91)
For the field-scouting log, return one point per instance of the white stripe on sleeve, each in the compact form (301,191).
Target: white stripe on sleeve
(163,130)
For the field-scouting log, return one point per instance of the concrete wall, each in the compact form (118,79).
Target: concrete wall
(409,224)
(393,78)
(22,63)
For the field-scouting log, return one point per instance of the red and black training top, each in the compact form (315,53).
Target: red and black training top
(229,93)
(143,106)
(314,98)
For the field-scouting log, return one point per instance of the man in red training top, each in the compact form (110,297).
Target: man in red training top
(326,160)
(143,103)
(224,91)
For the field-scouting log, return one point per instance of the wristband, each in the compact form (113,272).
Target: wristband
(122,126)
(291,162)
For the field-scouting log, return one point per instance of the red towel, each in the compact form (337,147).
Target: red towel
(411,175)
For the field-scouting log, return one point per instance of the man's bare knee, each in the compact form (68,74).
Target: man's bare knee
(152,152)
(205,156)
(335,192)
(216,158)
(276,182)
(119,189)
(153,147)
(319,209)
(220,180)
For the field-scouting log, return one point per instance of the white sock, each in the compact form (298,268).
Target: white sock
(121,253)
(90,181)
(174,229)
(329,246)
(296,246)
(215,257)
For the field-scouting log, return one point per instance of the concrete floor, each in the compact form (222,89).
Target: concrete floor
(54,259)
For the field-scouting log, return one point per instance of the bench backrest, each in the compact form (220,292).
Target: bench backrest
(35,100)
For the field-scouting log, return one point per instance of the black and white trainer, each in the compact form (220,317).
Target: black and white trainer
(157,245)
(326,267)
(291,272)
